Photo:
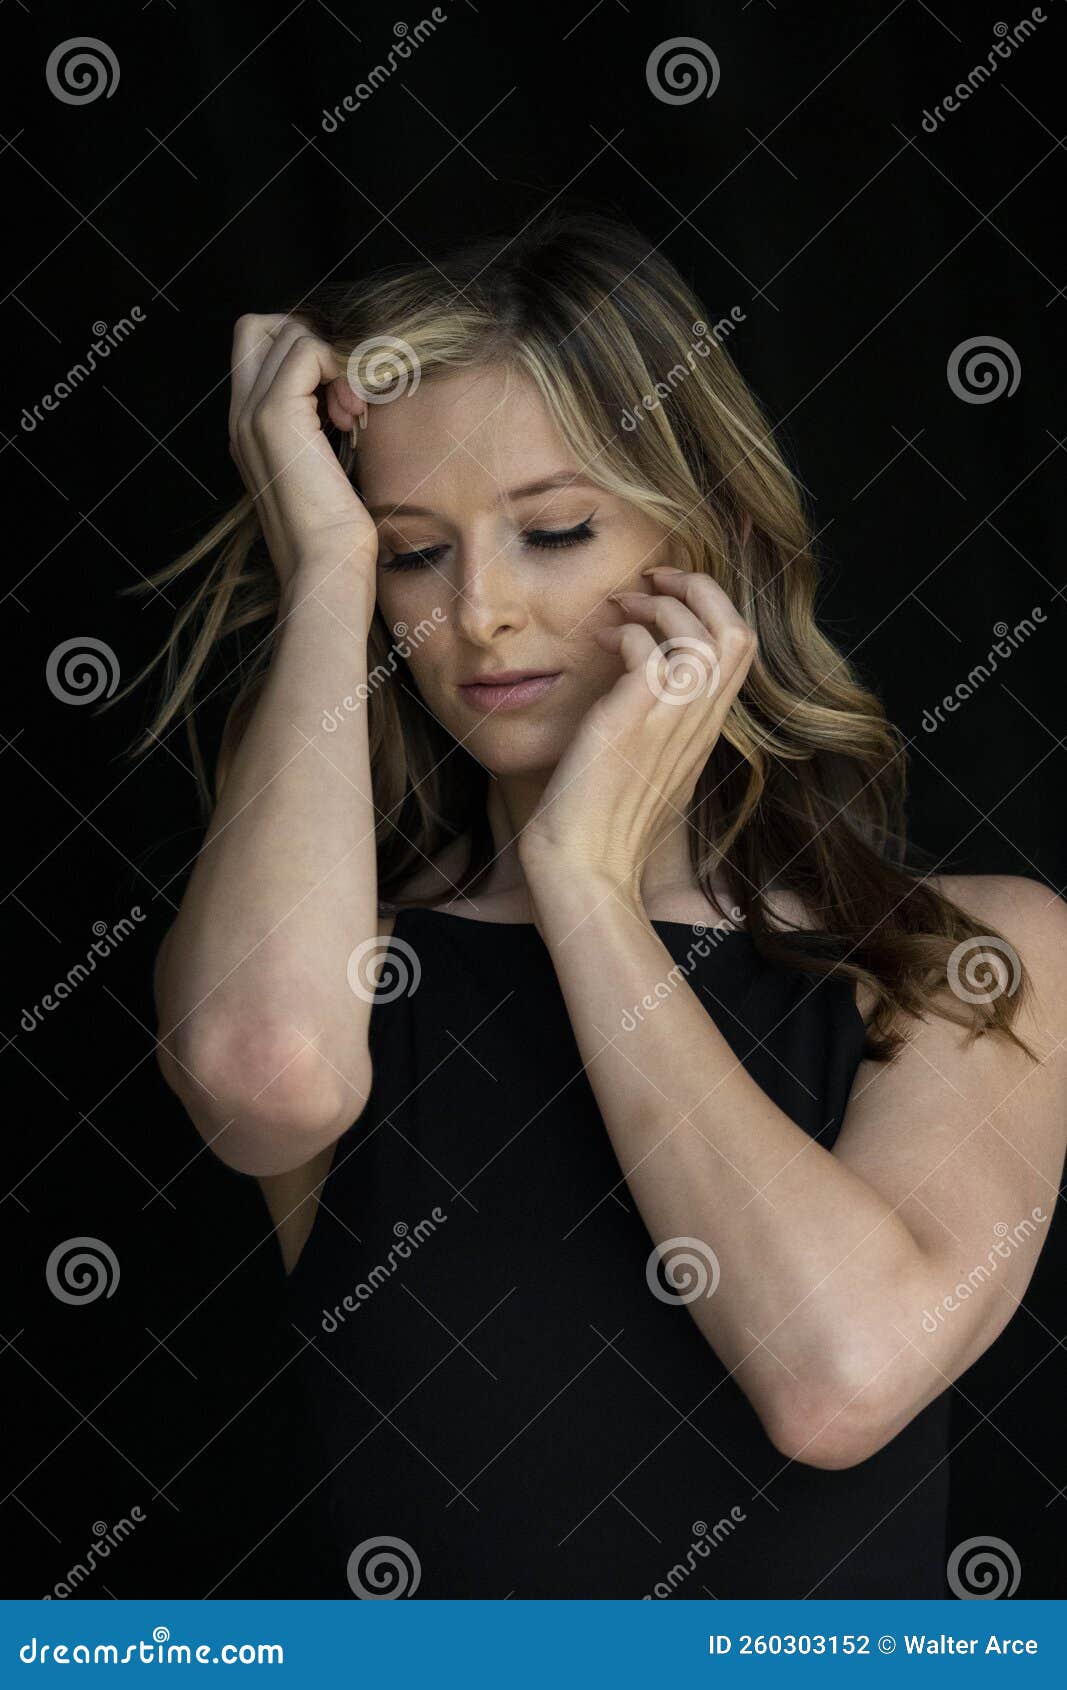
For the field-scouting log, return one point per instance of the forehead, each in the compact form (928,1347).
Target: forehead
(466,433)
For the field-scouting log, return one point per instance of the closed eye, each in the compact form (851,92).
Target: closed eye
(538,539)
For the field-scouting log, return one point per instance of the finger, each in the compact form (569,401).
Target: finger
(347,409)
(289,403)
(681,671)
(253,337)
(629,641)
(703,595)
(668,615)
(287,337)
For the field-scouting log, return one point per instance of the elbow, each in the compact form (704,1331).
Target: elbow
(832,1426)
(263,1099)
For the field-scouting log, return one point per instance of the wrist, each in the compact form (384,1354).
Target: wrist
(344,584)
(556,875)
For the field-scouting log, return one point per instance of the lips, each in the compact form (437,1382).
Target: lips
(510,690)
(505,677)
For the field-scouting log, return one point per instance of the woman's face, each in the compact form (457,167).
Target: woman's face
(461,473)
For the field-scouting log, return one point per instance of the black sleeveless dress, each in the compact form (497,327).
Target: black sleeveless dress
(492,1384)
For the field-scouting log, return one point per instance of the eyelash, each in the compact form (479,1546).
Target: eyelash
(540,539)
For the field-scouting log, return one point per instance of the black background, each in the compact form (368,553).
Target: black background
(862,249)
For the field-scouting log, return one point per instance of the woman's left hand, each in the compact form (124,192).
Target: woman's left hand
(629,775)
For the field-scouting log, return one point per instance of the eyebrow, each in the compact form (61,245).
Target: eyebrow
(545,484)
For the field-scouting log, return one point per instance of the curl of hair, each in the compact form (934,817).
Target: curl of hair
(805,790)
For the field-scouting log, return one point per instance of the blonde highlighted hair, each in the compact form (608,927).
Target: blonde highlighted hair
(804,792)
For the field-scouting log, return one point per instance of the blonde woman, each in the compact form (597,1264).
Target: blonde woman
(640,1132)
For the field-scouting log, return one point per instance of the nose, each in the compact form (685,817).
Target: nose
(488,600)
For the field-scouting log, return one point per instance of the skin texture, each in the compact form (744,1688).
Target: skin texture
(457,447)
(828,1260)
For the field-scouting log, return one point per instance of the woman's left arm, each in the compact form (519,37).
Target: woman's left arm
(853,1284)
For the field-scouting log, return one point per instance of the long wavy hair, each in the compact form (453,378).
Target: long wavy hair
(805,789)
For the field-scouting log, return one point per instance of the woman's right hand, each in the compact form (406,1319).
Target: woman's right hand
(311,515)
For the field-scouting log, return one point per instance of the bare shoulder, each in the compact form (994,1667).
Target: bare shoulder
(1031,919)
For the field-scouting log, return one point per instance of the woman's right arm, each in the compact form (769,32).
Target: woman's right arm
(260,1034)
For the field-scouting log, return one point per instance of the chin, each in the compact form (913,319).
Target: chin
(505,749)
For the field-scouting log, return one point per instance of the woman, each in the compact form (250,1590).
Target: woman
(632,1258)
